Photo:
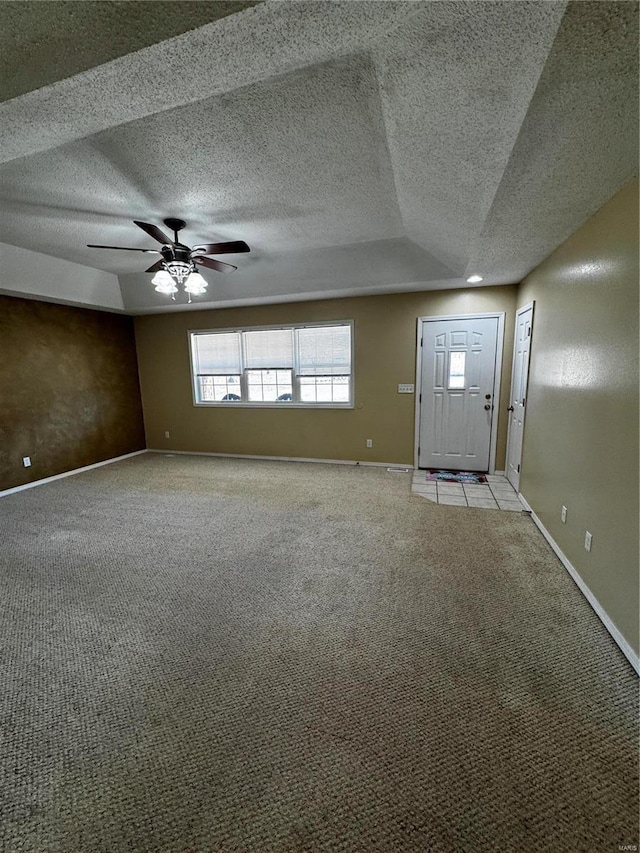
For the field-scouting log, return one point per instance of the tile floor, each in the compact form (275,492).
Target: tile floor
(498,493)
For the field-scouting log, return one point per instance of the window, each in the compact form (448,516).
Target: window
(286,366)
(456,369)
(267,386)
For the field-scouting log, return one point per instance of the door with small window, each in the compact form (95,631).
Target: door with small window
(456,407)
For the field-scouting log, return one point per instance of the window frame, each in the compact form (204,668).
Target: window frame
(283,404)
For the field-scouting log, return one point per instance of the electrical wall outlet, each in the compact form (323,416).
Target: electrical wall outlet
(369,442)
(405,388)
(26,461)
(166,433)
(563,515)
(587,541)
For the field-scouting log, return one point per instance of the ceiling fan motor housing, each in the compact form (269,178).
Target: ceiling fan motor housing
(175,224)
(177,252)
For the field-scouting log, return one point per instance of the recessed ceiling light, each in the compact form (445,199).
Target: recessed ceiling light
(474,279)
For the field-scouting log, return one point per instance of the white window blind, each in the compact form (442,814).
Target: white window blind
(323,350)
(218,354)
(268,348)
(296,365)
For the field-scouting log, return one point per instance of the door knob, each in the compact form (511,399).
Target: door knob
(487,406)
(510,409)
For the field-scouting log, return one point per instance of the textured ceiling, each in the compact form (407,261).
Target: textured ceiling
(357,147)
(69,36)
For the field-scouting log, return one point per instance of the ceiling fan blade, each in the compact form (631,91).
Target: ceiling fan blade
(155,232)
(156,267)
(222,248)
(214,265)
(125,248)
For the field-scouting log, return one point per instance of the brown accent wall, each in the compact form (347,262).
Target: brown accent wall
(69,391)
(385,355)
(581,431)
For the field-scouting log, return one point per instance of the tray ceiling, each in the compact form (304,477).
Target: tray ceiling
(357,147)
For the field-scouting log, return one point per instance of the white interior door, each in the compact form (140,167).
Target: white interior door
(456,393)
(518,397)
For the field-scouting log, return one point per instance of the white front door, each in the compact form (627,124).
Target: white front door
(456,393)
(518,398)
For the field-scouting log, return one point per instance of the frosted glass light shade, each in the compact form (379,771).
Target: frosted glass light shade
(195,283)
(164,282)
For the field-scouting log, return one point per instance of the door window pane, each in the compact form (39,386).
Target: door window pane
(456,369)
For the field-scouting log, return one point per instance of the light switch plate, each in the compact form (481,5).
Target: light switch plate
(26,461)
(405,388)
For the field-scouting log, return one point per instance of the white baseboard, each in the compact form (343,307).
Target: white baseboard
(12,491)
(360,463)
(624,646)
(498,473)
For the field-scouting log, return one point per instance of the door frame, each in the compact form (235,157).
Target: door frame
(500,316)
(530,305)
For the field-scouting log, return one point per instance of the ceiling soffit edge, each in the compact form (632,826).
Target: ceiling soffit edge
(193,66)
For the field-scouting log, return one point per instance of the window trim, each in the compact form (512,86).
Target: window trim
(246,404)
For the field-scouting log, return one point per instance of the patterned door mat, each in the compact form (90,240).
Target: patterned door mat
(455,476)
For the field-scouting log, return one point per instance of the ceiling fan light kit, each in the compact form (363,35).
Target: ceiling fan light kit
(195,284)
(178,264)
(164,283)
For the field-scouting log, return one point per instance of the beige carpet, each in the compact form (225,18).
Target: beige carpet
(226,655)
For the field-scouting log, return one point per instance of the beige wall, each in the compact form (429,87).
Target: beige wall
(581,433)
(385,355)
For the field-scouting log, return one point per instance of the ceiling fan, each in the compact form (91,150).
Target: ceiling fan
(178,262)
